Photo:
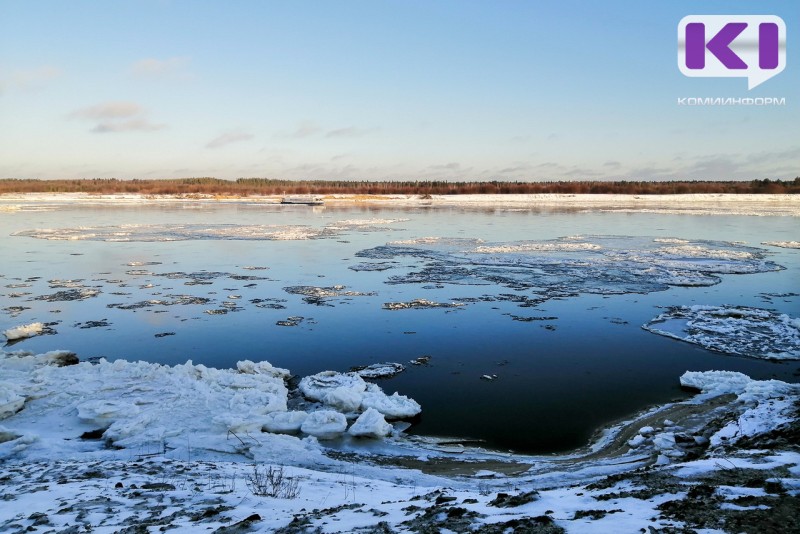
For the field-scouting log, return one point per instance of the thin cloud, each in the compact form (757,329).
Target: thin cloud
(452,166)
(350,131)
(31,79)
(515,169)
(120,116)
(108,110)
(132,125)
(228,138)
(306,129)
(173,67)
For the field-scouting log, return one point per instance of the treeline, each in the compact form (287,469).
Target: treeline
(263,186)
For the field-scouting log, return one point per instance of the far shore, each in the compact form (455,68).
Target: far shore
(689,204)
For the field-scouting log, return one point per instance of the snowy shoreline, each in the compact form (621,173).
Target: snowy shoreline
(173,464)
(690,204)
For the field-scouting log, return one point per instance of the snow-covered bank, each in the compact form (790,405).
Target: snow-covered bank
(690,204)
(180,466)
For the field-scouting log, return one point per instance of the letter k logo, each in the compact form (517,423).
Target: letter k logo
(732,46)
(719,45)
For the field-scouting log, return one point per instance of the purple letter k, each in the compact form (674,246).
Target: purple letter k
(719,45)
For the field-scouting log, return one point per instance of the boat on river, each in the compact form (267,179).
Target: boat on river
(309,200)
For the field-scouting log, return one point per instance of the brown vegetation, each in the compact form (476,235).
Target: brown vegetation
(263,186)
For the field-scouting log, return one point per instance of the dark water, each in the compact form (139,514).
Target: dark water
(558,379)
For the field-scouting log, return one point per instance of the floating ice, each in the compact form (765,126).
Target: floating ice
(420,304)
(324,424)
(24,331)
(69,294)
(183,232)
(782,244)
(321,295)
(379,370)
(370,424)
(569,266)
(739,330)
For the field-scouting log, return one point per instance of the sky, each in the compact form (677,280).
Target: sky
(381,90)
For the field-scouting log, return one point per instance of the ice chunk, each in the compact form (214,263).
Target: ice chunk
(262,368)
(23,331)
(343,399)
(379,370)
(284,422)
(717,382)
(316,387)
(636,440)
(105,412)
(324,424)
(395,406)
(370,424)
(10,400)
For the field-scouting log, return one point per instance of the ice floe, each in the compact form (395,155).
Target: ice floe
(320,295)
(568,266)
(782,244)
(417,304)
(184,232)
(24,331)
(738,330)
(379,370)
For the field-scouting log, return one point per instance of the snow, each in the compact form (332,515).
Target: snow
(370,424)
(24,331)
(739,330)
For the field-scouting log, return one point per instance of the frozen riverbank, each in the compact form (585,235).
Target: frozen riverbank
(200,460)
(688,204)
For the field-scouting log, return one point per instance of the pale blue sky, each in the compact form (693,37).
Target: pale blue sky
(458,90)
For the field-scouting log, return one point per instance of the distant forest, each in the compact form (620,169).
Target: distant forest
(262,186)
